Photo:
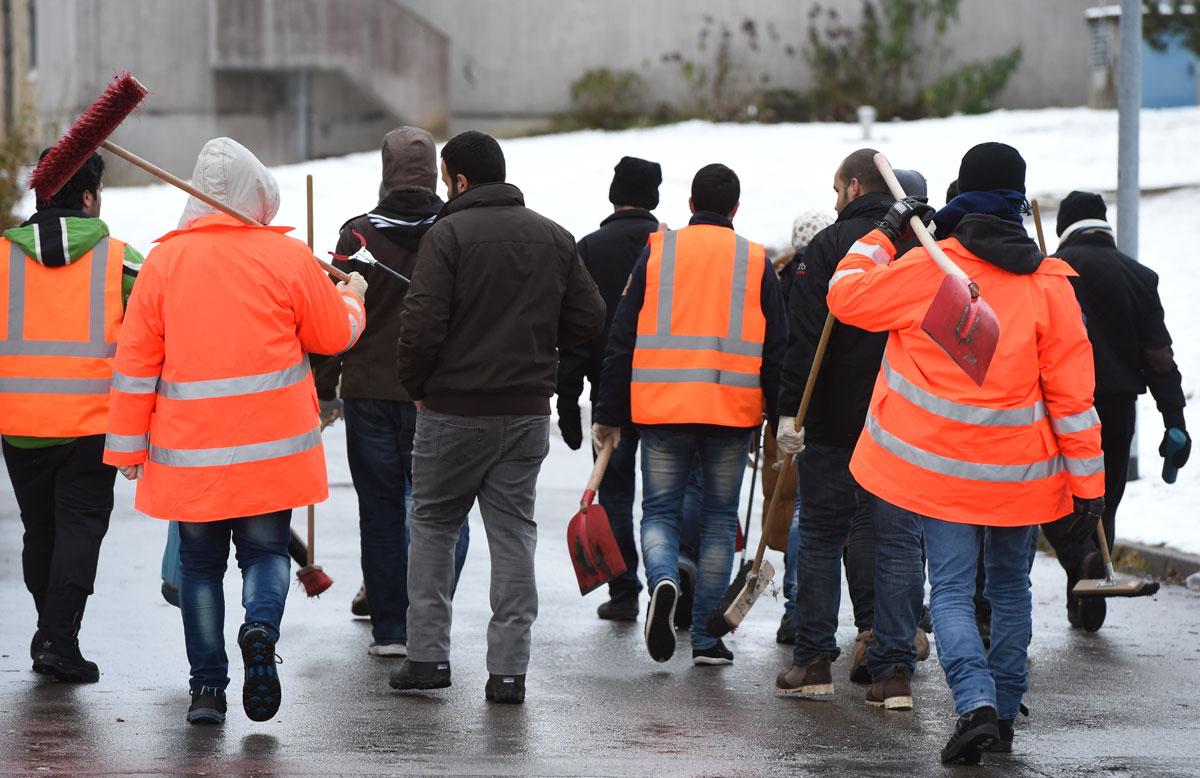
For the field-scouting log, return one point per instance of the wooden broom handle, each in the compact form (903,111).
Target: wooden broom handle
(1037,223)
(179,183)
(312,509)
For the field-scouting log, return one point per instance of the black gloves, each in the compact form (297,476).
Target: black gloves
(1178,457)
(1090,511)
(896,224)
(570,425)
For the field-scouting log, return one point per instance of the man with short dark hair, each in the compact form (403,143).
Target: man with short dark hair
(693,361)
(64,275)
(610,254)
(497,291)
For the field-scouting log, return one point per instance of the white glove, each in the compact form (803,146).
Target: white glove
(357,286)
(602,434)
(789,441)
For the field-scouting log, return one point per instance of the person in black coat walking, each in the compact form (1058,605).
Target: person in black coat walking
(610,254)
(1132,350)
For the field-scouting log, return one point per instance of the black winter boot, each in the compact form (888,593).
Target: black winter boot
(973,734)
(508,689)
(60,658)
(261,693)
(421,675)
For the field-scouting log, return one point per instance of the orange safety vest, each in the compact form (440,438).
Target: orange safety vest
(700,332)
(61,325)
(212,389)
(1011,452)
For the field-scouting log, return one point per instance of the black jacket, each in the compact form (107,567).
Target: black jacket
(612,405)
(1124,318)
(847,375)
(609,254)
(393,231)
(497,290)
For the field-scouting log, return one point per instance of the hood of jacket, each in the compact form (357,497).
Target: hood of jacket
(1001,242)
(403,216)
(484,196)
(227,171)
(409,160)
(57,236)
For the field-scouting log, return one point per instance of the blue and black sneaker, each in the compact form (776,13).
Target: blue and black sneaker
(208,706)
(260,692)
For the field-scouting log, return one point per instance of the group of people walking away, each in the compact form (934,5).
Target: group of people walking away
(189,372)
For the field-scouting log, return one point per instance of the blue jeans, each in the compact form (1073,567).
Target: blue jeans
(899,589)
(997,677)
(836,510)
(617,491)
(379,442)
(791,563)
(667,462)
(262,556)
(689,526)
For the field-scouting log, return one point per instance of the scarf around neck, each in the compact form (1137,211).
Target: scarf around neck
(1007,204)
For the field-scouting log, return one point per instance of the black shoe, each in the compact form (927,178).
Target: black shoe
(716,654)
(926,621)
(786,634)
(60,658)
(660,621)
(1004,743)
(973,734)
(261,694)
(506,689)
(359,605)
(619,609)
(421,675)
(687,595)
(208,706)
(33,646)
(1090,611)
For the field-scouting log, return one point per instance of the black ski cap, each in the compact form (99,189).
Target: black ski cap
(1079,206)
(991,166)
(635,182)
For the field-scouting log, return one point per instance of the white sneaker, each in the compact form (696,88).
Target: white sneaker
(389,650)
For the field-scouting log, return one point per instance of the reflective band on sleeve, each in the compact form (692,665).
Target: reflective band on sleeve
(839,275)
(134,385)
(1085,467)
(233,387)
(353,330)
(701,375)
(699,343)
(235,455)
(126,444)
(967,414)
(975,471)
(1078,422)
(877,254)
(54,385)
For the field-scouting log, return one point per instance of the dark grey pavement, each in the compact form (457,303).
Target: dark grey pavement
(1123,702)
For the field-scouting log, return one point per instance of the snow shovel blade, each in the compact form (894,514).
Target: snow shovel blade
(594,551)
(964,326)
(1116,587)
(755,586)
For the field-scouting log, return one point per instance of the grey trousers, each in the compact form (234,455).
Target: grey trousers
(457,459)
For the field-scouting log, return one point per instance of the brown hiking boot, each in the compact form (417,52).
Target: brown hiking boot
(921,645)
(858,658)
(892,693)
(813,681)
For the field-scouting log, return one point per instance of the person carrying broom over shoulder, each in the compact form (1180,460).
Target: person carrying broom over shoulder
(214,413)
(976,463)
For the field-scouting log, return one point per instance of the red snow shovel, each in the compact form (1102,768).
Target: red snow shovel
(594,551)
(958,319)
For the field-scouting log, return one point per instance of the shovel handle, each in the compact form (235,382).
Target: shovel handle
(207,199)
(593,482)
(1037,223)
(920,230)
(1102,536)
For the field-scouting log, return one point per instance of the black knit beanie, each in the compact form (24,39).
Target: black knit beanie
(991,166)
(1077,207)
(635,182)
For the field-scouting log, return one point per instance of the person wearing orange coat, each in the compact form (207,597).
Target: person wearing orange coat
(214,412)
(976,464)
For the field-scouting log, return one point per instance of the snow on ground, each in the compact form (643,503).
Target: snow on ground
(788,168)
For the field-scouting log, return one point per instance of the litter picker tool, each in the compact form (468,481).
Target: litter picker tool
(90,132)
(958,319)
(1110,585)
(365,256)
(752,579)
(594,551)
(750,502)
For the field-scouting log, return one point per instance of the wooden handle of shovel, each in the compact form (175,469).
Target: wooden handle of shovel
(179,183)
(1037,223)
(593,482)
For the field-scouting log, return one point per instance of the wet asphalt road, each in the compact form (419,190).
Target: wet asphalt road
(1123,702)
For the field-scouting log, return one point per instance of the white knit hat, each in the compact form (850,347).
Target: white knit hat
(807,225)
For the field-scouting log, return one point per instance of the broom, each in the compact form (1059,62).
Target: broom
(752,579)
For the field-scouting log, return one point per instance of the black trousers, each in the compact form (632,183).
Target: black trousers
(65,494)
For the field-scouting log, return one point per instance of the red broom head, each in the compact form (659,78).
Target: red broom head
(85,136)
(314,580)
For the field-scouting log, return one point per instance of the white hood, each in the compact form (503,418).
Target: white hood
(228,171)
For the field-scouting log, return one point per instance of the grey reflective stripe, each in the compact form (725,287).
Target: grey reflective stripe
(839,275)
(56,348)
(877,254)
(16,293)
(975,471)
(235,455)
(703,375)
(737,295)
(126,444)
(699,343)
(1082,467)
(1078,422)
(99,271)
(54,385)
(967,414)
(666,282)
(133,385)
(232,387)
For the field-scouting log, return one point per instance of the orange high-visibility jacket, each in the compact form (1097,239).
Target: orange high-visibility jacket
(1011,452)
(700,333)
(61,326)
(212,388)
